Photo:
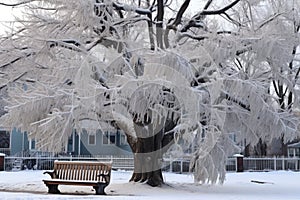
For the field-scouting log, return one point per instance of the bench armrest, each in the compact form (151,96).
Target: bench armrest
(52,174)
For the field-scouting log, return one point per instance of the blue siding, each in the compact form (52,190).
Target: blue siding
(102,149)
(19,142)
(77,145)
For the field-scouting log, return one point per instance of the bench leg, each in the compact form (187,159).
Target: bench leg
(53,189)
(100,189)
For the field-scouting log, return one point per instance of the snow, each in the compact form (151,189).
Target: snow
(238,186)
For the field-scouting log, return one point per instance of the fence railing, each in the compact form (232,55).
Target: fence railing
(47,163)
(169,164)
(267,164)
(6,151)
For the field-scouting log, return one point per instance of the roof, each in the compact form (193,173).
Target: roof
(294,145)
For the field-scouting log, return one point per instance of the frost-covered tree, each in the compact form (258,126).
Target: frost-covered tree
(171,80)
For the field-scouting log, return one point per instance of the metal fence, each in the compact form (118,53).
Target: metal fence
(169,164)
(264,164)
(268,164)
(6,151)
(47,162)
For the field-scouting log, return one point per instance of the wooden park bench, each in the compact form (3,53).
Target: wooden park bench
(79,173)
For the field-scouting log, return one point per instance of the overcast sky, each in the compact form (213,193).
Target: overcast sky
(6,16)
(5,13)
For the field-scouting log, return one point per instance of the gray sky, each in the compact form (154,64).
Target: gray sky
(6,16)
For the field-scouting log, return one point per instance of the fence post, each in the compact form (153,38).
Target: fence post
(283,164)
(239,164)
(275,163)
(181,166)
(2,162)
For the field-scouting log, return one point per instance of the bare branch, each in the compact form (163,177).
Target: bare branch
(180,13)
(176,22)
(195,37)
(207,4)
(214,12)
(159,25)
(220,11)
(232,20)
(196,21)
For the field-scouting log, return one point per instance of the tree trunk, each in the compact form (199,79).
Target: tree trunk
(147,162)
(148,152)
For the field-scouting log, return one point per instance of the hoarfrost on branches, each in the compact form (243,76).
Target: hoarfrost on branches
(171,81)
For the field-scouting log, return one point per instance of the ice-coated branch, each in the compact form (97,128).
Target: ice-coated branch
(17,59)
(276,15)
(67,44)
(17,4)
(190,35)
(13,80)
(90,61)
(229,97)
(128,8)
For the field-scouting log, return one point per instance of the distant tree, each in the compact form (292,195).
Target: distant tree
(170,80)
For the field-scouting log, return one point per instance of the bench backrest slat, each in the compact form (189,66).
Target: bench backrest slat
(79,170)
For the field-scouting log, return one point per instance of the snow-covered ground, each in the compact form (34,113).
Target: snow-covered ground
(238,186)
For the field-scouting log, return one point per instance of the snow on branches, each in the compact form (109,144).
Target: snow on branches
(183,83)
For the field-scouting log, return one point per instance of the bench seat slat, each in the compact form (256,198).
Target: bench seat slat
(70,182)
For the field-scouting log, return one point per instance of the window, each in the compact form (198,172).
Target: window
(92,139)
(290,153)
(109,138)
(105,138)
(297,152)
(4,139)
(32,144)
(232,136)
(123,140)
(112,138)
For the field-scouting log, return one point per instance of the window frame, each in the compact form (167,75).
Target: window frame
(123,139)
(106,136)
(89,139)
